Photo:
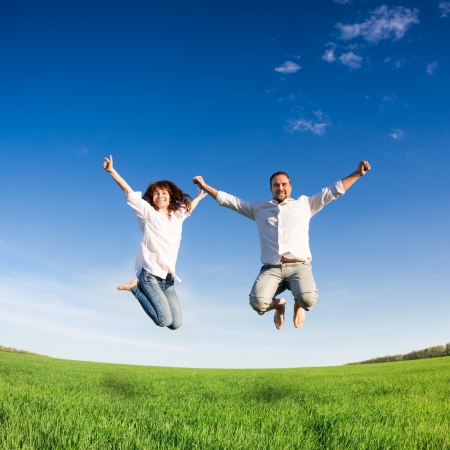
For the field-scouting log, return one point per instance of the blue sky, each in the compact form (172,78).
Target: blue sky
(232,91)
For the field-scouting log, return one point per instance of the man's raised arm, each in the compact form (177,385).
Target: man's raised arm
(362,169)
(330,193)
(226,200)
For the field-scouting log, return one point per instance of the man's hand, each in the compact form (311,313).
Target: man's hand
(108,164)
(200,182)
(363,168)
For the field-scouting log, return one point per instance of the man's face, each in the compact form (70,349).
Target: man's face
(281,188)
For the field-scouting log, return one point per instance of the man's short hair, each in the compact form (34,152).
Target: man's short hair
(279,173)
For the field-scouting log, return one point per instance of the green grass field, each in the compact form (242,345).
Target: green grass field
(57,404)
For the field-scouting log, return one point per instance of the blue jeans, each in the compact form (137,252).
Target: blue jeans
(158,299)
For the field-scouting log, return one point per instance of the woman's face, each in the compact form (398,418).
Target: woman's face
(161,199)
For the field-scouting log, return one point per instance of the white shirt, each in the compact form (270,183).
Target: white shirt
(283,227)
(158,250)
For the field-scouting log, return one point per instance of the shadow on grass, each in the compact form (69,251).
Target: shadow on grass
(271,394)
(119,387)
(3,415)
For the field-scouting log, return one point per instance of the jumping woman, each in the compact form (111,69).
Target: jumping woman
(161,212)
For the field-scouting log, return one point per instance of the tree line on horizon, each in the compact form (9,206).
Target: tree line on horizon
(22,352)
(430,352)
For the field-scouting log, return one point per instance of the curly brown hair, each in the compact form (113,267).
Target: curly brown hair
(178,199)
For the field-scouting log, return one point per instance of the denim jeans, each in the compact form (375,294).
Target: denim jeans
(275,279)
(158,299)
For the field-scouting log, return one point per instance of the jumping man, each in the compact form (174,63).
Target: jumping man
(283,225)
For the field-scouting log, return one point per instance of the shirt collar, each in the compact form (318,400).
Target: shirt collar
(284,202)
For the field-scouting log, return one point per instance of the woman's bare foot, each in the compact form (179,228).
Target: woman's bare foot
(128,286)
(278,318)
(299,316)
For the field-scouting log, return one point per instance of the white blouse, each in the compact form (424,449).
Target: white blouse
(158,250)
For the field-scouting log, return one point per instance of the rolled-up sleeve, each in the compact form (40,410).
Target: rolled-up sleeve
(325,196)
(140,206)
(235,204)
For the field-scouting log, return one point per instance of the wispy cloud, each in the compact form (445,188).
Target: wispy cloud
(83,334)
(343,2)
(288,67)
(351,60)
(389,99)
(395,63)
(83,150)
(445,9)
(384,23)
(307,125)
(432,67)
(321,115)
(397,134)
(290,97)
(318,127)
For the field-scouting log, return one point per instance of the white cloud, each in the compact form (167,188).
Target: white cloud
(347,59)
(307,125)
(432,67)
(397,134)
(343,2)
(288,67)
(445,8)
(384,23)
(351,60)
(329,55)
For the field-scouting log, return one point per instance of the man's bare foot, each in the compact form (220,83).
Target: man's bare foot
(299,316)
(278,318)
(128,286)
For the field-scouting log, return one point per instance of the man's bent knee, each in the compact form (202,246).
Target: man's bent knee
(307,300)
(174,326)
(259,304)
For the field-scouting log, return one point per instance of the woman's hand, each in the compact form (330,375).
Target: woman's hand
(201,194)
(108,164)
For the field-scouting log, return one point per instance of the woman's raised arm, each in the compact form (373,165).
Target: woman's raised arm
(108,166)
(200,196)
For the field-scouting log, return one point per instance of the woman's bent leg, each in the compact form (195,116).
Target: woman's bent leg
(150,294)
